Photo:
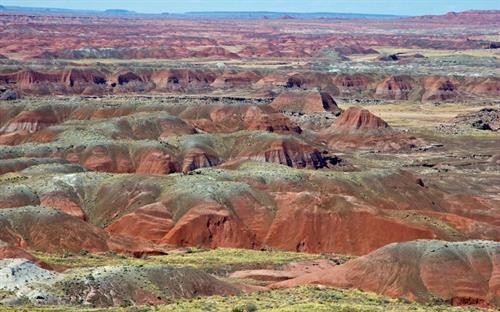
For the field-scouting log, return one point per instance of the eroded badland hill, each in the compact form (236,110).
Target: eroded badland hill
(249,164)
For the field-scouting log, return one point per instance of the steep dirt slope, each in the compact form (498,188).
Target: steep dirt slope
(460,273)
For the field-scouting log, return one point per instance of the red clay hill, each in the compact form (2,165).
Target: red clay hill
(461,273)
(357,128)
(359,119)
(109,80)
(145,135)
(306,102)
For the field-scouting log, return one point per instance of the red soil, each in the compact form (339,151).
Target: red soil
(357,118)
(441,89)
(256,118)
(62,202)
(11,252)
(464,18)
(335,220)
(17,196)
(291,152)
(151,222)
(311,227)
(464,273)
(111,81)
(305,102)
(357,128)
(33,121)
(232,118)
(210,226)
(196,157)
(155,161)
(395,88)
(286,272)
(55,232)
(59,36)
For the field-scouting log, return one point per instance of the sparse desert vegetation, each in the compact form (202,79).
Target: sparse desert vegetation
(304,298)
(249,162)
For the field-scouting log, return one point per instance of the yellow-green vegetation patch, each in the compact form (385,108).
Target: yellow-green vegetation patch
(270,171)
(5,294)
(12,177)
(437,52)
(196,257)
(31,308)
(305,298)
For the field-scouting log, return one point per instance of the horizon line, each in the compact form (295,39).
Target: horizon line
(125,11)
